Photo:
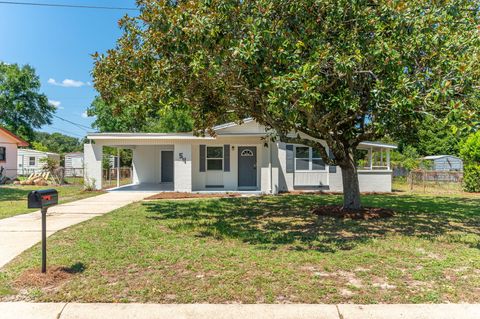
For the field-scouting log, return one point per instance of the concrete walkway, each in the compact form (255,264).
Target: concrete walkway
(15,310)
(21,232)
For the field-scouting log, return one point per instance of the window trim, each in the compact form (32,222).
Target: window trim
(214,158)
(310,161)
(30,161)
(4,159)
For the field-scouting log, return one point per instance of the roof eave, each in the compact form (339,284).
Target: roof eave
(20,142)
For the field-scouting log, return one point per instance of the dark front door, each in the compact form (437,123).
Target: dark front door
(247,166)
(167,166)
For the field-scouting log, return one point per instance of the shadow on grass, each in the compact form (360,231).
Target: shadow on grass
(13,194)
(76,268)
(286,221)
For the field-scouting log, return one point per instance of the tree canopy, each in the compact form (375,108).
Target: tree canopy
(339,71)
(434,137)
(134,118)
(22,107)
(56,143)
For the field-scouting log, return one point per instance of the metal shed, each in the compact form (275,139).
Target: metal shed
(445,162)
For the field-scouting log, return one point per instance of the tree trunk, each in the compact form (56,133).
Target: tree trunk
(351,188)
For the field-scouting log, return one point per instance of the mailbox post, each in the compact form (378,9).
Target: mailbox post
(43,199)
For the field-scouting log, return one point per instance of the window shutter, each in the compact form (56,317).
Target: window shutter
(226,158)
(331,169)
(290,158)
(202,157)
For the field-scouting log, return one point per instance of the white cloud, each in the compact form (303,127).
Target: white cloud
(84,114)
(68,83)
(56,104)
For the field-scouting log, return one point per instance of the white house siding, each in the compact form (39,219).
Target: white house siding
(24,155)
(93,164)
(146,164)
(298,180)
(370,181)
(182,168)
(271,170)
(10,165)
(375,181)
(229,180)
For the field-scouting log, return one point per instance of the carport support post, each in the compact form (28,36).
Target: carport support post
(44,240)
(118,167)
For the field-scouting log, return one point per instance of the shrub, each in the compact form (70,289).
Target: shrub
(471,177)
(470,153)
(470,148)
(89,184)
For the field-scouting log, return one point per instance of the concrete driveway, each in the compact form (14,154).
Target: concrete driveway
(21,232)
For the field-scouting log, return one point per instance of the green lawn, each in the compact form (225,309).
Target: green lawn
(263,250)
(13,199)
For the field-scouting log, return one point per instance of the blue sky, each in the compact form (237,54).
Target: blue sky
(58,43)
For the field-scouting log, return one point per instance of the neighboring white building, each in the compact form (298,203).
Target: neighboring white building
(30,161)
(74,164)
(445,163)
(237,159)
(9,144)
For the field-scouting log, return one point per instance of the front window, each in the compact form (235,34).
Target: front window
(214,158)
(302,158)
(308,159)
(317,162)
(31,161)
(3,153)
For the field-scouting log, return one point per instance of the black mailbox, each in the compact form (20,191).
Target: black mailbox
(42,198)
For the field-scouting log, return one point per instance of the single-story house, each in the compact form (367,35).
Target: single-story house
(31,161)
(238,158)
(9,144)
(74,164)
(444,163)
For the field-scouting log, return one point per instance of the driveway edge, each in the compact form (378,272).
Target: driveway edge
(25,310)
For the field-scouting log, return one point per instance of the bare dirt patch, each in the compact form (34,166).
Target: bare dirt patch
(364,213)
(183,195)
(54,276)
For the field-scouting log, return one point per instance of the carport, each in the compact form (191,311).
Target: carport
(161,162)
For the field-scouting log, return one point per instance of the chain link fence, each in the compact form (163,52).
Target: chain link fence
(428,181)
(64,176)
(111,175)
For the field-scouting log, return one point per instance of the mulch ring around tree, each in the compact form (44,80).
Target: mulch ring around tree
(185,195)
(55,275)
(364,213)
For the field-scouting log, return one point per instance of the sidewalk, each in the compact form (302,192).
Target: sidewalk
(21,232)
(23,310)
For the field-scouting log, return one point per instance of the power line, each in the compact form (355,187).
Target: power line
(75,6)
(67,132)
(80,126)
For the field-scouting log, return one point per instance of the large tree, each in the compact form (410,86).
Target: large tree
(22,107)
(341,71)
